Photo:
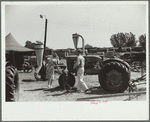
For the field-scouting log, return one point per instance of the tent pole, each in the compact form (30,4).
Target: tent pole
(14,59)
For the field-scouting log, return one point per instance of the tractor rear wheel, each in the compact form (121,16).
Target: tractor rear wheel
(114,77)
(12,84)
(69,79)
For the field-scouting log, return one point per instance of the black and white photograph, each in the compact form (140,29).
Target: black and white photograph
(75,60)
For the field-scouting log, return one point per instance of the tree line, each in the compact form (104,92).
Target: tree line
(117,40)
(127,40)
(30,44)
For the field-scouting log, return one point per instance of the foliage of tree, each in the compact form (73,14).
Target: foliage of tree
(142,40)
(38,42)
(29,44)
(130,40)
(123,40)
(88,46)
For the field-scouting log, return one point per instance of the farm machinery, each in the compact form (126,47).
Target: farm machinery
(137,61)
(12,83)
(113,73)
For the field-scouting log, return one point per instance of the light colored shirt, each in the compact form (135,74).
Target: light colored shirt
(80,62)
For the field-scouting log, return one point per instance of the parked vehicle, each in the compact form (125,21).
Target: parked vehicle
(113,73)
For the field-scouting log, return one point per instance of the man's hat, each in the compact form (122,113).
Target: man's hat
(79,51)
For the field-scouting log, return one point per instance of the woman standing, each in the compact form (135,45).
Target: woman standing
(50,63)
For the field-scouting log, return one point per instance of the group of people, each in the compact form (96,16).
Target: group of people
(79,66)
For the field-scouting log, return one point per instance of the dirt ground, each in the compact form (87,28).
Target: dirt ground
(32,90)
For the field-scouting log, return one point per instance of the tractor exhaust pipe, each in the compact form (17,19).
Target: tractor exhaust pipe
(75,40)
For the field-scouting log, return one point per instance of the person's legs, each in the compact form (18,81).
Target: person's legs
(53,75)
(81,83)
(78,86)
(50,77)
(50,83)
(78,83)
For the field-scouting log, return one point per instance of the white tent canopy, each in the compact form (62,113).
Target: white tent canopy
(12,45)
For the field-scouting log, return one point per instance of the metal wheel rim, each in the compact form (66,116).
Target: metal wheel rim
(114,78)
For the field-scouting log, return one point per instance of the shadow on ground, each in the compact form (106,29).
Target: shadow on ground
(58,88)
(35,89)
(93,91)
(73,90)
(29,80)
(98,91)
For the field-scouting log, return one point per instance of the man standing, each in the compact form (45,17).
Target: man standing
(79,65)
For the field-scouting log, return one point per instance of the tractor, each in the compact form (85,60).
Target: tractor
(113,73)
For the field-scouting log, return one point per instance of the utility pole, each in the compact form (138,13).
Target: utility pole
(43,75)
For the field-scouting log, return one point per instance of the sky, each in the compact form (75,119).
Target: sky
(95,21)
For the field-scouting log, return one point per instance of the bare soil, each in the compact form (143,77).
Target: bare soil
(32,90)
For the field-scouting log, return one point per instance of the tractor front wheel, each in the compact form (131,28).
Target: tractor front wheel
(66,80)
(114,77)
